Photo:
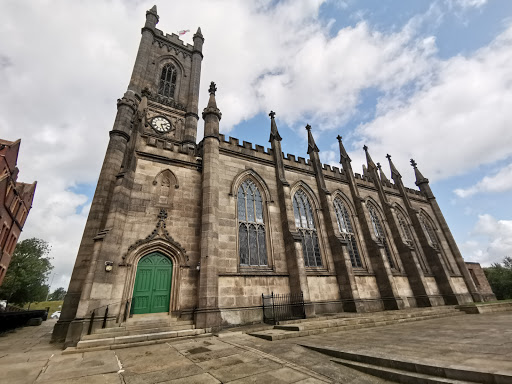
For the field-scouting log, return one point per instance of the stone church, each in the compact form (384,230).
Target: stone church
(202,230)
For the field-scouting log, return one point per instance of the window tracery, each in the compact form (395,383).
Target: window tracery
(167,83)
(429,231)
(347,231)
(305,224)
(251,227)
(380,234)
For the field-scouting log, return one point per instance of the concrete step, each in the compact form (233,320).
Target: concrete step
(397,375)
(117,341)
(285,332)
(351,315)
(403,371)
(121,331)
(335,322)
(146,325)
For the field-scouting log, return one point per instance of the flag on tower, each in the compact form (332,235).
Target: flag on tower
(182,32)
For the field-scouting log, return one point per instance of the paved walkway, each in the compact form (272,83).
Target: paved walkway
(481,342)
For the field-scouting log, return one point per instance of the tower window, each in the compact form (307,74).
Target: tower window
(167,84)
(306,226)
(251,226)
(347,231)
(380,235)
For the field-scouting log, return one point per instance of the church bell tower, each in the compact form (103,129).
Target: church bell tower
(151,150)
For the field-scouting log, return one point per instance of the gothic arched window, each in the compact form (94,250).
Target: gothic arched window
(251,227)
(380,234)
(167,84)
(305,224)
(430,233)
(347,231)
(405,228)
(406,233)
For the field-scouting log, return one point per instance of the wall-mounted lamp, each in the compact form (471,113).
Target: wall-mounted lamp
(108,266)
(198,266)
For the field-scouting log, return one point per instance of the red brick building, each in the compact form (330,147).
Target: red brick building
(15,202)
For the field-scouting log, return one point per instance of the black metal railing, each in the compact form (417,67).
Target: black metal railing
(128,311)
(281,307)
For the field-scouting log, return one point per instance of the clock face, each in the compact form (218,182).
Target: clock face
(161,124)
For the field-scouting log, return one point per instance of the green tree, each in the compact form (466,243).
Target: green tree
(500,278)
(27,273)
(58,294)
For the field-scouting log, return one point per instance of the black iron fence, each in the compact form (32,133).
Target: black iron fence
(281,307)
(97,312)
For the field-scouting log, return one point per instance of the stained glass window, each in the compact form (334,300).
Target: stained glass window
(380,234)
(347,231)
(251,228)
(167,84)
(306,226)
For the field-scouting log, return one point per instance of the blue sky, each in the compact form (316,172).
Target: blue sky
(425,79)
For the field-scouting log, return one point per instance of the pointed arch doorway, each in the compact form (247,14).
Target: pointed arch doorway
(152,288)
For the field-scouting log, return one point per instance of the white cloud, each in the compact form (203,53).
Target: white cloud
(457,119)
(500,182)
(465,4)
(491,241)
(65,63)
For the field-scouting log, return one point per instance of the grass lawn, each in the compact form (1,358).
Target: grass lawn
(54,305)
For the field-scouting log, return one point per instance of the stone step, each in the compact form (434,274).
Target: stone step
(401,368)
(121,331)
(144,325)
(117,341)
(349,315)
(361,320)
(281,332)
(397,375)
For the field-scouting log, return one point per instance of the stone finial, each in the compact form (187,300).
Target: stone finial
(381,173)
(211,108)
(420,179)
(311,141)
(394,171)
(343,152)
(212,89)
(274,133)
(198,33)
(369,161)
(152,17)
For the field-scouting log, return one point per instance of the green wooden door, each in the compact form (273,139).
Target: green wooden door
(152,289)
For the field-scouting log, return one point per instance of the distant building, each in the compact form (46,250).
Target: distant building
(202,230)
(478,276)
(15,202)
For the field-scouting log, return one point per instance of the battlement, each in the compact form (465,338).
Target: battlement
(174,39)
(234,144)
(169,146)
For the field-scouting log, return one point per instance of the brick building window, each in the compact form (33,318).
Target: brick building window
(347,231)
(251,227)
(305,224)
(380,234)
(167,84)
